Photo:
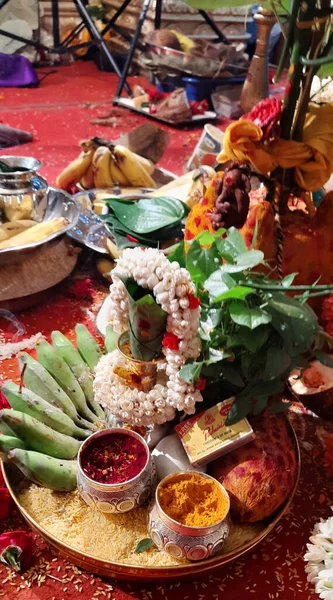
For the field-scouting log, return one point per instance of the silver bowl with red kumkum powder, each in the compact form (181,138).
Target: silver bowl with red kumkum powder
(189,517)
(115,470)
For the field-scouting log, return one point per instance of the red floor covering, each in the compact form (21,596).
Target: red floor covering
(59,114)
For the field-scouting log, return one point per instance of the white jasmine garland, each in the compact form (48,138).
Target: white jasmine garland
(172,288)
(320,558)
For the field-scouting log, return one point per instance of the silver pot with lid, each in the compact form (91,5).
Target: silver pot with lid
(22,190)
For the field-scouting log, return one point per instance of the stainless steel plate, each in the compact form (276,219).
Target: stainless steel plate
(56,203)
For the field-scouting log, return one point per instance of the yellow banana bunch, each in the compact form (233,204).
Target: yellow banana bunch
(102,168)
(77,168)
(132,168)
(117,174)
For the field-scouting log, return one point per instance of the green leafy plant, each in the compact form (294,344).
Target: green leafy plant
(253,334)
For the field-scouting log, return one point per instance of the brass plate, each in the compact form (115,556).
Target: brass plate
(154,574)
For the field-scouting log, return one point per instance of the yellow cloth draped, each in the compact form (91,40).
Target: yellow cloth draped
(312,158)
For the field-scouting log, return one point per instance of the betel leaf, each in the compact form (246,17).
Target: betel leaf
(176,253)
(144,545)
(295,323)
(191,372)
(232,246)
(248,317)
(148,214)
(201,262)
(251,341)
(250,259)
(238,292)
(276,407)
(241,406)
(324,358)
(260,405)
(232,375)
(219,283)
(277,362)
(147,322)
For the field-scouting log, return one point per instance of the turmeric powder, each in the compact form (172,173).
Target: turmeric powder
(193,500)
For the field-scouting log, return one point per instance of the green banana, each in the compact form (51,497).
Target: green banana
(9,442)
(29,403)
(65,349)
(5,430)
(58,475)
(87,346)
(111,338)
(39,380)
(38,436)
(55,365)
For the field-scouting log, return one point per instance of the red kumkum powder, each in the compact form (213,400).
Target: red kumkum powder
(114,458)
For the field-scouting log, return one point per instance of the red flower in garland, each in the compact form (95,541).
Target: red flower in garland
(170,341)
(194,302)
(199,108)
(200,384)
(266,115)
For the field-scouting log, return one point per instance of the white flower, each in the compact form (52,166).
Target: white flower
(320,559)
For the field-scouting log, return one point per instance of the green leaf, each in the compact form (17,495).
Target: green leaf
(251,341)
(295,323)
(277,363)
(236,293)
(288,280)
(260,405)
(147,322)
(111,339)
(144,545)
(191,372)
(232,375)
(218,283)
(201,262)
(250,259)
(232,246)
(265,388)
(241,407)
(215,355)
(177,254)
(248,317)
(276,407)
(324,358)
(148,214)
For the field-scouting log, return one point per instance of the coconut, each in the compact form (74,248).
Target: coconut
(259,476)
(314,388)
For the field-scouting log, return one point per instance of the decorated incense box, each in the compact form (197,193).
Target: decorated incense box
(206,436)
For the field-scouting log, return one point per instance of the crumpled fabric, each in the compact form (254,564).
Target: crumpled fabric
(312,158)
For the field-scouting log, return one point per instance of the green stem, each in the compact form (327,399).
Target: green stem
(289,41)
(290,288)
(317,62)
(11,557)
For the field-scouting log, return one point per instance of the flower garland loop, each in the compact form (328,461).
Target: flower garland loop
(174,292)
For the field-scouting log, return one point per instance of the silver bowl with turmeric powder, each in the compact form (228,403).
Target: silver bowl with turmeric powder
(189,517)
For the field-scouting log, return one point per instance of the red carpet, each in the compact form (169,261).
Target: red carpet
(59,112)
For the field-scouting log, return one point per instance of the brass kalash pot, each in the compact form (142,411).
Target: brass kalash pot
(22,189)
